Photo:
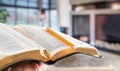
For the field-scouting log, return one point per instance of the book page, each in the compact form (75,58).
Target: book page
(19,36)
(42,37)
(12,42)
(80,46)
(9,44)
(77,43)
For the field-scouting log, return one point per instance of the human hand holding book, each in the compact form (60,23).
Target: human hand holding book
(36,43)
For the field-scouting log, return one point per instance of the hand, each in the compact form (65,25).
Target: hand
(28,66)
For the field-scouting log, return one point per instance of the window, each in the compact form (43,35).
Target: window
(27,12)
(32,4)
(54,19)
(7,15)
(51,14)
(14,12)
(45,4)
(21,3)
(34,17)
(11,16)
(8,2)
(21,16)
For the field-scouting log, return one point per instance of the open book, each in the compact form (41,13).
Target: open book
(14,47)
(41,44)
(58,45)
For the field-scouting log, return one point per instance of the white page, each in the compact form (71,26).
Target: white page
(18,35)
(76,42)
(42,37)
(10,45)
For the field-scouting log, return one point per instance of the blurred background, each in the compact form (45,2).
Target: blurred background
(96,22)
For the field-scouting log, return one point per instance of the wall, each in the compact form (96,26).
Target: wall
(86,1)
(64,12)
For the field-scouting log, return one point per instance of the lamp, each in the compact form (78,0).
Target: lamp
(115,6)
